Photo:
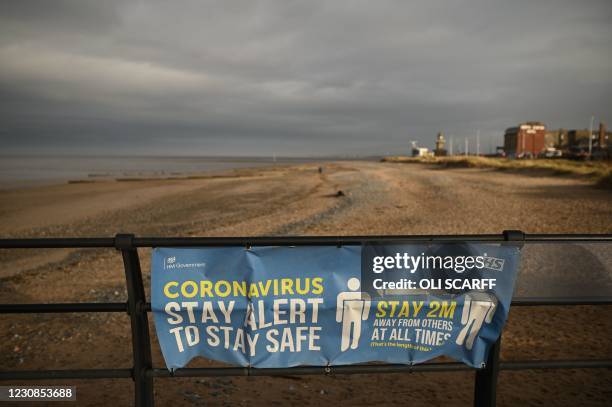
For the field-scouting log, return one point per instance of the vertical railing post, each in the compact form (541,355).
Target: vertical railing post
(485,387)
(141,341)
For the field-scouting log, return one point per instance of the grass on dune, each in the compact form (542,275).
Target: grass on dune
(598,171)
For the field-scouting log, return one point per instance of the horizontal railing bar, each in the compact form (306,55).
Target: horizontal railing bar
(64,307)
(122,307)
(66,374)
(356,240)
(353,240)
(381,368)
(569,237)
(539,301)
(305,240)
(309,370)
(556,364)
(536,301)
(301,370)
(290,240)
(58,243)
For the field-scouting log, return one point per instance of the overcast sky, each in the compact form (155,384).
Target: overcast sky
(294,77)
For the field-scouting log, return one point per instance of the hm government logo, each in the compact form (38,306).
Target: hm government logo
(170,263)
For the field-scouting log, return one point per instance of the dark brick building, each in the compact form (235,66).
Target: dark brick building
(526,140)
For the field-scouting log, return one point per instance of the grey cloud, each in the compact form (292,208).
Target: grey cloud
(305,77)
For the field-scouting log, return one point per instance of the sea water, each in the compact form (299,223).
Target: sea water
(25,170)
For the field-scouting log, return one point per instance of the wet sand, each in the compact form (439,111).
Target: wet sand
(378,198)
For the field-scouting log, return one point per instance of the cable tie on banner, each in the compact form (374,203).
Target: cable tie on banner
(327,369)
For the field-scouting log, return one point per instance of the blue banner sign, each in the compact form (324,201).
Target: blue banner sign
(273,307)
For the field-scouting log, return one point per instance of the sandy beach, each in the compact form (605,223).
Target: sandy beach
(378,198)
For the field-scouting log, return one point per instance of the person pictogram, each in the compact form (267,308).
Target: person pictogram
(352,307)
(478,307)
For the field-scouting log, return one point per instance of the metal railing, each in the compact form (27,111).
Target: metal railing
(142,371)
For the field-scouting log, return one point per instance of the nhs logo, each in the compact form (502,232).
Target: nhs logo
(493,263)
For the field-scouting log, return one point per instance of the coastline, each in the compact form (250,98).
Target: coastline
(19,171)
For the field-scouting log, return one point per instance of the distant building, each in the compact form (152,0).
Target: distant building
(531,139)
(440,150)
(599,138)
(557,139)
(526,140)
(421,152)
(603,136)
(578,138)
(600,147)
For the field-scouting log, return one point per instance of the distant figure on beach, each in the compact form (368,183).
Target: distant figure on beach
(478,307)
(352,307)
(320,170)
